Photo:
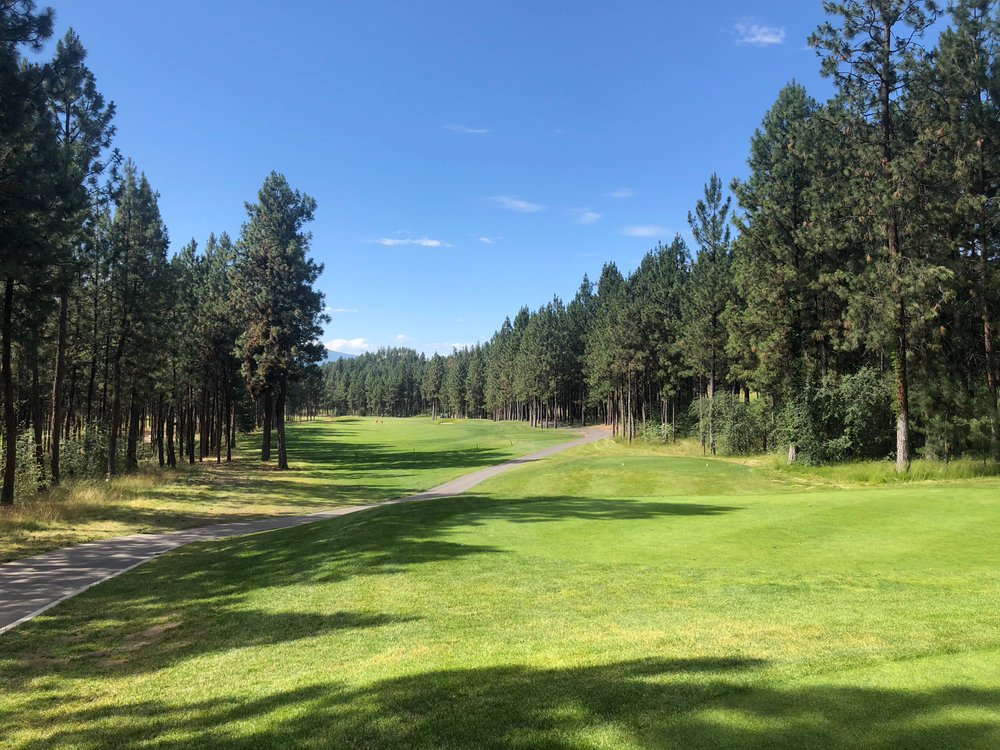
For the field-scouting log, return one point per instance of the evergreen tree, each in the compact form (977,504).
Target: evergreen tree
(961,113)
(430,386)
(137,287)
(273,291)
(870,56)
(708,292)
(84,127)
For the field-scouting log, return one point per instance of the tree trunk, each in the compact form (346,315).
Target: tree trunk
(204,437)
(131,457)
(895,259)
(171,456)
(265,442)
(279,416)
(181,425)
(218,429)
(192,418)
(711,406)
(37,421)
(230,426)
(116,415)
(57,385)
(9,415)
(159,432)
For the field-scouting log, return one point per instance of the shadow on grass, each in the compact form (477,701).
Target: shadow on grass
(663,703)
(208,592)
(472,509)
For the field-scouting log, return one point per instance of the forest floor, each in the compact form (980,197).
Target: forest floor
(334,463)
(610,596)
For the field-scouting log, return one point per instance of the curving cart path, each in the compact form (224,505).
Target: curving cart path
(32,585)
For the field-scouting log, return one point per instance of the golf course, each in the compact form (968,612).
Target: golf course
(608,596)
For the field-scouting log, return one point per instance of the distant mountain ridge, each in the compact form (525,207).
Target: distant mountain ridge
(332,356)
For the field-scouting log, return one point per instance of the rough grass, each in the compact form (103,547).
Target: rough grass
(606,597)
(333,463)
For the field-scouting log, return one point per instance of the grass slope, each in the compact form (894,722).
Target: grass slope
(606,597)
(333,463)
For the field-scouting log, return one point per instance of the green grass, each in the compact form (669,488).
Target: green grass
(884,472)
(333,463)
(606,597)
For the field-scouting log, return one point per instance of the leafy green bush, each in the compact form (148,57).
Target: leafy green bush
(86,457)
(740,427)
(841,421)
(27,472)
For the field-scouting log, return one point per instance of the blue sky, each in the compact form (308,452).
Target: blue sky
(467,157)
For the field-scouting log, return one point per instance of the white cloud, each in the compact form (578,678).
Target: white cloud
(621,193)
(422,241)
(464,129)
(348,346)
(516,204)
(759,36)
(645,230)
(487,240)
(402,338)
(338,310)
(587,217)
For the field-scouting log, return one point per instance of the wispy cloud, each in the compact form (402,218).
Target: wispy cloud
(514,203)
(422,241)
(487,240)
(759,36)
(338,310)
(587,217)
(402,338)
(621,193)
(464,129)
(645,230)
(348,346)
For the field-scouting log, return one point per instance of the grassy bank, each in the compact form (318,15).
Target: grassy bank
(333,463)
(607,597)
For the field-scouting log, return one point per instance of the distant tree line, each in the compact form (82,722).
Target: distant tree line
(845,307)
(108,347)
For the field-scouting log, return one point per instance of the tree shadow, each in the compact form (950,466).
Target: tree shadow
(475,509)
(657,703)
(171,637)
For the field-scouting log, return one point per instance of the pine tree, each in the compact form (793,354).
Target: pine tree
(960,137)
(137,288)
(273,291)
(708,292)
(870,57)
(37,193)
(84,126)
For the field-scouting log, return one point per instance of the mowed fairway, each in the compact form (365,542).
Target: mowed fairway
(334,462)
(606,597)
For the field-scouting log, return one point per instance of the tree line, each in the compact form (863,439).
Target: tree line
(108,346)
(845,307)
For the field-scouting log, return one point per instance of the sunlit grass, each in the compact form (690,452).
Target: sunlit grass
(884,472)
(606,597)
(333,462)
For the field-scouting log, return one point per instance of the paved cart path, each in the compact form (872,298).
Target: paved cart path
(32,585)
